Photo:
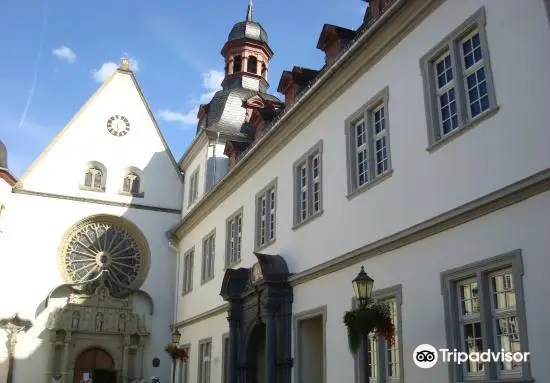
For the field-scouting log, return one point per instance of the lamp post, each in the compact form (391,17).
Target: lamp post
(362,285)
(176,336)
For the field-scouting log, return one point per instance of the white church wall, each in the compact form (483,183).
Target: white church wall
(61,169)
(36,226)
(424,183)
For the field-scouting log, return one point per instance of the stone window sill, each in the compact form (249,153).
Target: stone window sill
(370,185)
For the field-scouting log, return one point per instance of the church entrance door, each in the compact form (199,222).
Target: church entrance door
(97,364)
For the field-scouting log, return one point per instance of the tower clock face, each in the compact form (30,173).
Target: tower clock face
(118,125)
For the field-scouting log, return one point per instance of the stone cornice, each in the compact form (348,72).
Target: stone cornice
(371,47)
(96,201)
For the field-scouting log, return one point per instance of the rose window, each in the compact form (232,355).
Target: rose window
(105,243)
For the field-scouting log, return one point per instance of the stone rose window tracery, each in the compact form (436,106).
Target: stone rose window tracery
(105,243)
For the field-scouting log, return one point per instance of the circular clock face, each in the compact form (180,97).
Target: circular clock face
(118,125)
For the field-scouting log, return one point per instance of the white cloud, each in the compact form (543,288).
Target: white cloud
(211,83)
(64,53)
(107,68)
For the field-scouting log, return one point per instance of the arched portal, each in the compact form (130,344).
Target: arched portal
(97,363)
(256,355)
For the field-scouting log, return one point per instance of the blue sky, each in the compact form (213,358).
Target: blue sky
(55,54)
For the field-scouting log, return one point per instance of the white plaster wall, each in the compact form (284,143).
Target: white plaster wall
(61,170)
(35,227)
(5,191)
(417,268)
(214,327)
(499,151)
(199,162)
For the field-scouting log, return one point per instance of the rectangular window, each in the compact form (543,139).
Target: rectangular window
(485,310)
(234,238)
(385,359)
(266,214)
(208,251)
(193,187)
(307,185)
(205,353)
(188,271)
(225,357)
(183,374)
(458,82)
(368,142)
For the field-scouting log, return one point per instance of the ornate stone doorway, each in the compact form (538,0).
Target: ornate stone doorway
(96,362)
(260,321)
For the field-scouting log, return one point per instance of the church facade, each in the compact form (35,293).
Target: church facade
(418,151)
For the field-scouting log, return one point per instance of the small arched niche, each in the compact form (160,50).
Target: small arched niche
(132,182)
(94,177)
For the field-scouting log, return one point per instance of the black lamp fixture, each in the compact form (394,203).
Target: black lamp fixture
(176,336)
(362,285)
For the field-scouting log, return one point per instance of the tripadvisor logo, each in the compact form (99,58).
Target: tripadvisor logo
(426,356)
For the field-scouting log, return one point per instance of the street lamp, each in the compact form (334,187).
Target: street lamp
(362,285)
(176,336)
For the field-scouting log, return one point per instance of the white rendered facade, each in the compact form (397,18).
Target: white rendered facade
(437,206)
(51,197)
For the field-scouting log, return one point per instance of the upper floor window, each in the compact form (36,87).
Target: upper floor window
(132,183)
(252,65)
(307,185)
(266,208)
(458,81)
(485,310)
(208,252)
(187,283)
(234,238)
(368,142)
(193,187)
(237,64)
(94,177)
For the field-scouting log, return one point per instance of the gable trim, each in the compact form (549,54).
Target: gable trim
(84,107)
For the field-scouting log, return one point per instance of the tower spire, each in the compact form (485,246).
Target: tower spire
(249,11)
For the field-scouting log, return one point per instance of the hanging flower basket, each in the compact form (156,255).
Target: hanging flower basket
(374,318)
(176,352)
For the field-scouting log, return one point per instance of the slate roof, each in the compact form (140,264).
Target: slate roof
(248,29)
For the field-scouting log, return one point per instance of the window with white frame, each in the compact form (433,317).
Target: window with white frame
(188,271)
(266,210)
(193,187)
(385,358)
(208,251)
(458,82)
(234,238)
(308,199)
(485,309)
(205,354)
(368,142)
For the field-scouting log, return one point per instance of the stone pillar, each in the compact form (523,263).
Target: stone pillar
(12,341)
(139,359)
(51,357)
(125,354)
(234,323)
(65,362)
(285,360)
(271,346)
(230,69)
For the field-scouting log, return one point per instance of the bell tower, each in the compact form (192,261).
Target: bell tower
(247,55)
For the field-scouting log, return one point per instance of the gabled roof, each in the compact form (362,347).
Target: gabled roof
(299,75)
(122,70)
(340,32)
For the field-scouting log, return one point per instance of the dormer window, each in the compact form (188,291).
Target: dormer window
(237,64)
(252,66)
(131,183)
(94,177)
